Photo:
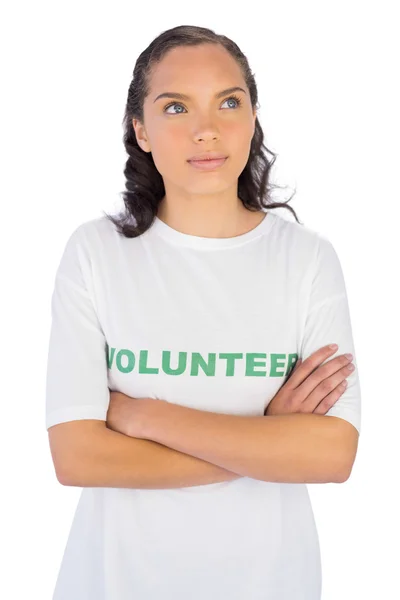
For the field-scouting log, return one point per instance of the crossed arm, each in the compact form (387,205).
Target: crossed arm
(290,448)
(172,446)
(296,447)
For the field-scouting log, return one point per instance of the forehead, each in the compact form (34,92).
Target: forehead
(195,70)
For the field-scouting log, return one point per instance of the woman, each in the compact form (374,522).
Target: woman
(193,306)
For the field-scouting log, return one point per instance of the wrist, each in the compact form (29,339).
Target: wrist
(149,414)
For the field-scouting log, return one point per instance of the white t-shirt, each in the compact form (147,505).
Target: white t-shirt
(214,324)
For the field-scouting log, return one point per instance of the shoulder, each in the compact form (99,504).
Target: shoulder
(297,236)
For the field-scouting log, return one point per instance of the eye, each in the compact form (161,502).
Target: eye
(235,98)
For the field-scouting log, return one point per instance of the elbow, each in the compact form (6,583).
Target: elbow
(70,482)
(345,475)
(62,479)
(340,473)
(64,476)
(346,439)
(73,478)
(341,479)
(347,470)
(70,444)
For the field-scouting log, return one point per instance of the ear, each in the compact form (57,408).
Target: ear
(141,136)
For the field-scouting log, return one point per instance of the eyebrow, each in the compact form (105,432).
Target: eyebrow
(185,97)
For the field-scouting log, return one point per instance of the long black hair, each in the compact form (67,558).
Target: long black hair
(144,183)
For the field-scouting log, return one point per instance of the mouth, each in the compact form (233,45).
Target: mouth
(207,164)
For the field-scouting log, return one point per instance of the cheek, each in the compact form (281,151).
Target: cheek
(238,133)
(238,147)
(170,140)
(168,157)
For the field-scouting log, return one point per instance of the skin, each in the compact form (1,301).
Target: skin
(199,203)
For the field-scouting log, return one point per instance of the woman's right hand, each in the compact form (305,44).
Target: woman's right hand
(312,388)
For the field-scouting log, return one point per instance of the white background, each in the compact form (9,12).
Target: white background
(327,78)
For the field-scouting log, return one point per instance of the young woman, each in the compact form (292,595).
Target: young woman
(173,398)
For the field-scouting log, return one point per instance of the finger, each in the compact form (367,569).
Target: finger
(296,366)
(310,364)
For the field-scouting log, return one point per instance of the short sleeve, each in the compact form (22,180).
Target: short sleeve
(76,380)
(328,321)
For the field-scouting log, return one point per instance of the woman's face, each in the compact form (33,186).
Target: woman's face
(199,123)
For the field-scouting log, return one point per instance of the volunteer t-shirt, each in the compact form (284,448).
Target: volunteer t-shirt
(215,324)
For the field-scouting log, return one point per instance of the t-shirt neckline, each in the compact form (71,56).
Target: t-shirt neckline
(194,241)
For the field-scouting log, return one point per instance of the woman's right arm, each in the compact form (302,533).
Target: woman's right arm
(87,454)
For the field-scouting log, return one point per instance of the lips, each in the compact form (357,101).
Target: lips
(207,165)
(207,159)
(207,156)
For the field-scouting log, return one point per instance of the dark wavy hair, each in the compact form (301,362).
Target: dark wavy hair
(144,183)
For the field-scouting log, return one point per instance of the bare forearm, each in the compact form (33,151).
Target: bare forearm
(291,448)
(119,461)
